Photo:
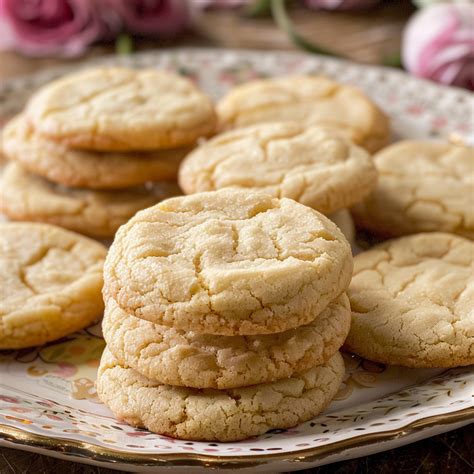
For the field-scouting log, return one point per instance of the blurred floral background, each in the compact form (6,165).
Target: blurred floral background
(430,38)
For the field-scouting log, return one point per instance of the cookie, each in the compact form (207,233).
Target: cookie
(112,109)
(89,169)
(343,220)
(217,415)
(423,187)
(174,357)
(25,196)
(309,164)
(412,302)
(50,283)
(228,262)
(307,100)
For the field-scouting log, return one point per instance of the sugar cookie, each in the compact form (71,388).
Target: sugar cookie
(89,169)
(423,186)
(175,357)
(306,100)
(228,262)
(113,108)
(24,196)
(50,283)
(412,300)
(221,415)
(312,165)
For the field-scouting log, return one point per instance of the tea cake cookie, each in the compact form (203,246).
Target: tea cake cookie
(50,283)
(423,186)
(174,357)
(25,196)
(80,168)
(113,108)
(311,165)
(217,415)
(343,220)
(309,100)
(412,302)
(228,262)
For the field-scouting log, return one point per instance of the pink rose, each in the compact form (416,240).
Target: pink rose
(47,27)
(438,44)
(341,4)
(152,17)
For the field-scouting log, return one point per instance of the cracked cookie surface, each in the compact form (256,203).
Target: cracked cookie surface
(309,100)
(221,415)
(228,262)
(312,165)
(175,357)
(422,187)
(80,168)
(114,108)
(25,196)
(412,302)
(50,283)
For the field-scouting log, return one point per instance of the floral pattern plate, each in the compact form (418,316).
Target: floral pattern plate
(48,401)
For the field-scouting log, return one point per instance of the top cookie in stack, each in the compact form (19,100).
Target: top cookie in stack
(111,131)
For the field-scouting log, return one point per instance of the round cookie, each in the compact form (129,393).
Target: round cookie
(412,302)
(79,168)
(50,283)
(422,187)
(312,165)
(343,220)
(217,415)
(228,262)
(112,108)
(25,196)
(174,357)
(309,100)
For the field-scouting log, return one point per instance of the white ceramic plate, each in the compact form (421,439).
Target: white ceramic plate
(47,397)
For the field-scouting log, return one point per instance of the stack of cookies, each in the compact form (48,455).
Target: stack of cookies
(224,315)
(93,148)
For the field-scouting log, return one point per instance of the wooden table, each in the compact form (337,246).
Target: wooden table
(365,37)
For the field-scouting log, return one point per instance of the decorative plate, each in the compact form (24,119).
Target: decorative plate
(47,398)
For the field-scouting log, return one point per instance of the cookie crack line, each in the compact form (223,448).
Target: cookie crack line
(24,281)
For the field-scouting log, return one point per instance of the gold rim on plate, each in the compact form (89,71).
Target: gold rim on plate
(82,449)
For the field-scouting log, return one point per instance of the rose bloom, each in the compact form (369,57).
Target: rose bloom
(49,27)
(438,44)
(152,17)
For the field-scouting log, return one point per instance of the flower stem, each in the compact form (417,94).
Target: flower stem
(124,44)
(280,15)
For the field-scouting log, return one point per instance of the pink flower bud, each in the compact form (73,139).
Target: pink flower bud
(438,44)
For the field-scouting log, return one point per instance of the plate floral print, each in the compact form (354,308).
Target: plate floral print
(47,394)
